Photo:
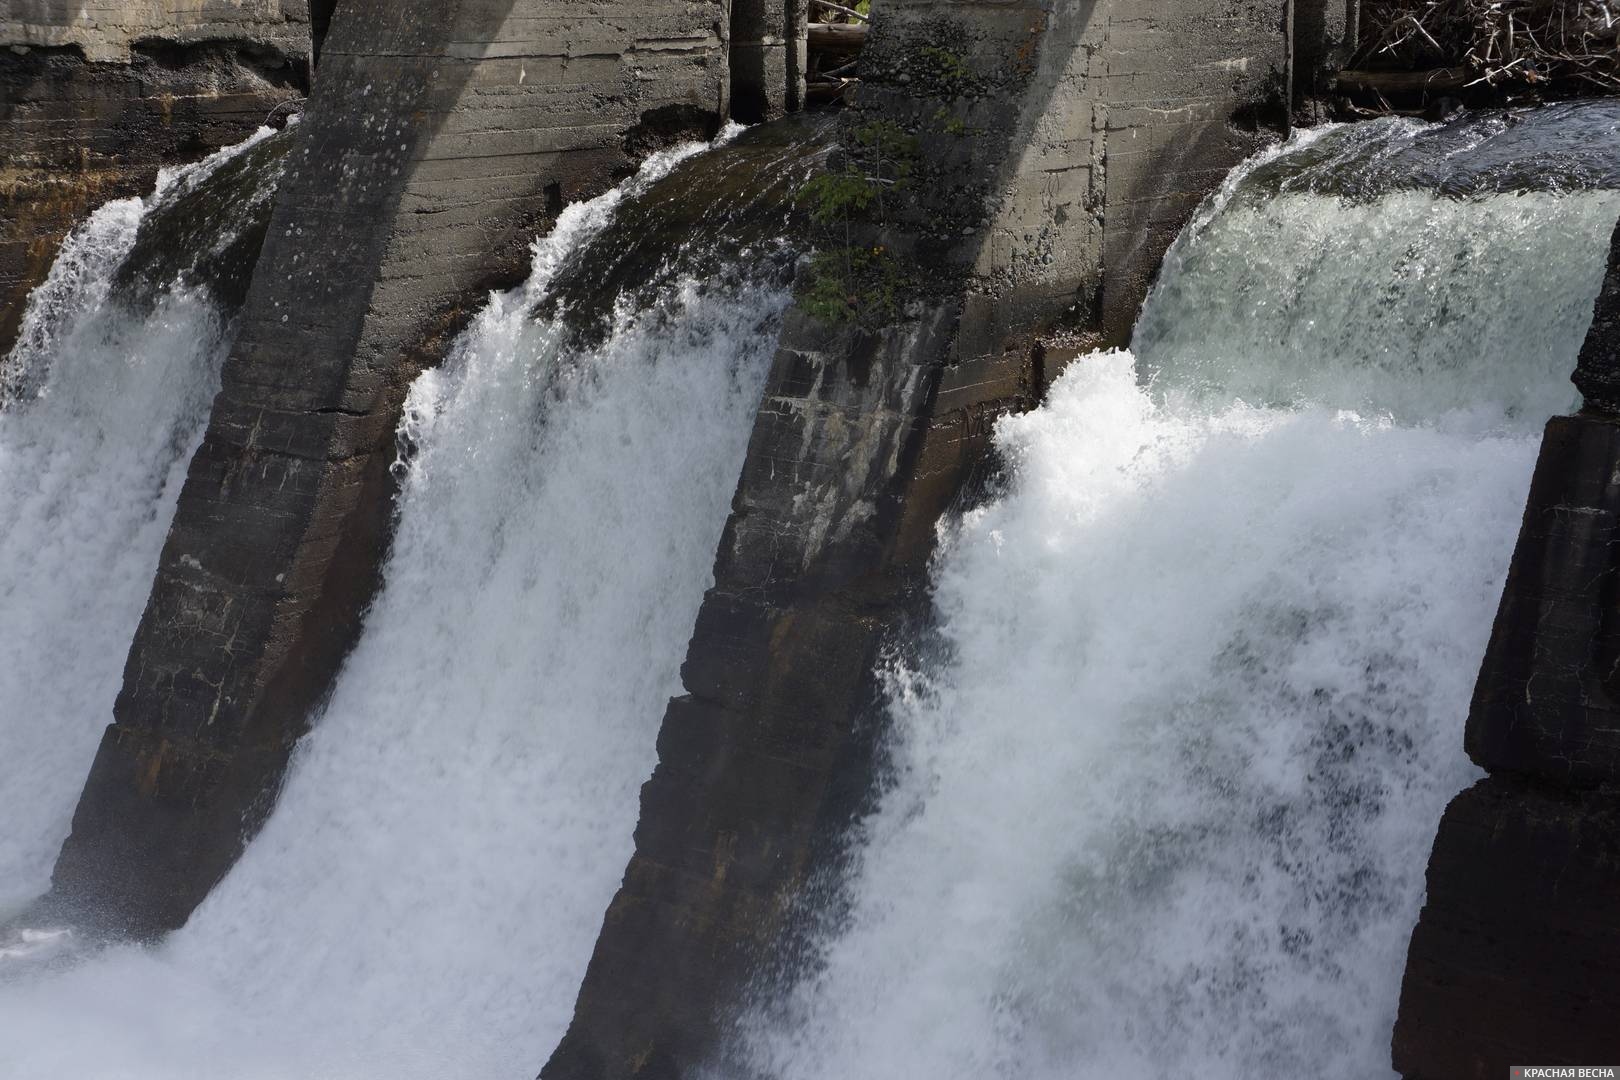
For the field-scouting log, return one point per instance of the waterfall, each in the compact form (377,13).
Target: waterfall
(102,402)
(1159,782)
(1162,784)
(424,899)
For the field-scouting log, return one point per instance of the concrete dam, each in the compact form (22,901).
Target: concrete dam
(795,539)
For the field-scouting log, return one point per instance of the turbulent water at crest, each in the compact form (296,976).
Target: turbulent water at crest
(424,899)
(1163,789)
(101,404)
(1162,780)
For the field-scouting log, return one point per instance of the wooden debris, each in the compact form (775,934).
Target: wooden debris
(837,37)
(1564,46)
(1436,81)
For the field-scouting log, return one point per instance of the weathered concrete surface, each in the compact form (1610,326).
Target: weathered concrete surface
(1547,703)
(1513,956)
(91,107)
(437,141)
(1326,33)
(1047,153)
(108,31)
(206,235)
(1548,698)
(320,21)
(1597,373)
(766,50)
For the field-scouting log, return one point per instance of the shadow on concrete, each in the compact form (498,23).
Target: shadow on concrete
(284,520)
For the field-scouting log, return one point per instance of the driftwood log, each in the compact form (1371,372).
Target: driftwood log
(1402,83)
(837,37)
(833,51)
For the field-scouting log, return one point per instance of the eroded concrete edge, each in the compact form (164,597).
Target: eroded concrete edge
(1058,149)
(96,98)
(1512,959)
(438,140)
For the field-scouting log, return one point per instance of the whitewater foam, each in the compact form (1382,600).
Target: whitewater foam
(424,899)
(101,407)
(1161,795)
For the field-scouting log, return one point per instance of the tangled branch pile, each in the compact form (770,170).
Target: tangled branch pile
(1552,45)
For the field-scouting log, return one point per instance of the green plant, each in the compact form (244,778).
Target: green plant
(827,295)
(851,284)
(950,125)
(848,281)
(949,69)
(835,196)
(887,139)
(882,158)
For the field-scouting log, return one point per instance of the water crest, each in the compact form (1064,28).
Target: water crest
(1161,797)
(424,898)
(102,401)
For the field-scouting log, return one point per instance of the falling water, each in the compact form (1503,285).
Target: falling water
(424,899)
(101,403)
(1161,787)
(1161,793)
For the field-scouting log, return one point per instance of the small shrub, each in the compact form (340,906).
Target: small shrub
(949,71)
(836,196)
(854,284)
(950,125)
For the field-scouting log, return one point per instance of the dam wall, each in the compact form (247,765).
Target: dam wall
(1008,180)
(438,141)
(114,31)
(96,97)
(1509,961)
(1325,35)
(766,50)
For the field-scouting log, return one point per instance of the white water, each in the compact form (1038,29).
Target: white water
(108,408)
(425,897)
(1161,804)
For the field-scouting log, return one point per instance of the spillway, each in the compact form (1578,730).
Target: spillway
(102,402)
(1161,783)
(424,899)
(1159,780)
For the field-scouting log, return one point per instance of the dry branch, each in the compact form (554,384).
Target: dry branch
(842,10)
(1567,45)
